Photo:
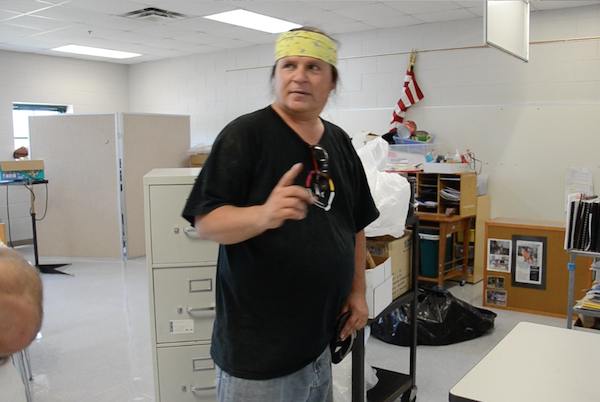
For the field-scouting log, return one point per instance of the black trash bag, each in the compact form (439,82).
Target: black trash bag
(442,319)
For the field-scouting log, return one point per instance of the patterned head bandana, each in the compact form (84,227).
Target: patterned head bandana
(306,43)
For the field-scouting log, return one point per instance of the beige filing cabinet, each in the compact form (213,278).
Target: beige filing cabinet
(181,275)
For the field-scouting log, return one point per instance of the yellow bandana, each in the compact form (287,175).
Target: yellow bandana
(305,43)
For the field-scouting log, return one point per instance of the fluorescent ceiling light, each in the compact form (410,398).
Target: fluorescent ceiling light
(96,51)
(252,20)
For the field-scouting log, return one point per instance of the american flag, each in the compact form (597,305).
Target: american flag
(411,94)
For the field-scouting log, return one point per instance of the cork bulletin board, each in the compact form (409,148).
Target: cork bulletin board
(526,267)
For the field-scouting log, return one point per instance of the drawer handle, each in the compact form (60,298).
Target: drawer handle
(196,364)
(191,232)
(199,389)
(196,309)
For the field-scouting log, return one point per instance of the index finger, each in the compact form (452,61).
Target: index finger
(288,178)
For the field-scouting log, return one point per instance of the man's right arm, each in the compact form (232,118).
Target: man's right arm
(230,225)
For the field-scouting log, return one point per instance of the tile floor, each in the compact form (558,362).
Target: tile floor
(94,345)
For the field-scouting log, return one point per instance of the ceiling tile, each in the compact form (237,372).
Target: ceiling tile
(450,15)
(421,7)
(111,7)
(404,21)
(366,13)
(39,23)
(200,38)
(196,8)
(163,31)
(340,5)
(4,15)
(22,6)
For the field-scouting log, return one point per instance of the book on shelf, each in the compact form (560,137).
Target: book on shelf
(583,223)
(591,302)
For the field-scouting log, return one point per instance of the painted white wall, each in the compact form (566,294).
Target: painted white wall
(527,122)
(90,87)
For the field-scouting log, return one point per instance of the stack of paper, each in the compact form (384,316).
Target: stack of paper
(450,194)
(591,300)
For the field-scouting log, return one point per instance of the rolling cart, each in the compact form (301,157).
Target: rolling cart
(391,385)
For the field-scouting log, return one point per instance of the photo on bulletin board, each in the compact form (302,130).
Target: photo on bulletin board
(529,262)
(495,297)
(499,255)
(495,282)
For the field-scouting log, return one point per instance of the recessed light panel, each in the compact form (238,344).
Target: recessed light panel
(96,51)
(252,20)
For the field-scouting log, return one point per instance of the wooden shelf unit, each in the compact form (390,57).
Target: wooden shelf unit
(429,185)
(477,260)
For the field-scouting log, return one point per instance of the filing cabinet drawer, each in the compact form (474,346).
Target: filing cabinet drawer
(174,240)
(184,303)
(186,373)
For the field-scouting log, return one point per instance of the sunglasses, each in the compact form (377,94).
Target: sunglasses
(321,163)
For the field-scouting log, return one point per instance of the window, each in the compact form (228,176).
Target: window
(21,113)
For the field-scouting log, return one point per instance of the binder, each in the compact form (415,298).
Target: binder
(577,233)
(594,227)
(585,227)
(570,225)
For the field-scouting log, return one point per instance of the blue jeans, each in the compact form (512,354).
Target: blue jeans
(310,384)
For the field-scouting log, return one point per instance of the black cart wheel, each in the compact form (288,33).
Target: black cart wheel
(409,396)
(463,281)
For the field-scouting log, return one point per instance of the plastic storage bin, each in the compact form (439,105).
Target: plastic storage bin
(429,242)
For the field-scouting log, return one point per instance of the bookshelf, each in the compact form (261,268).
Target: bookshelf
(582,239)
(572,309)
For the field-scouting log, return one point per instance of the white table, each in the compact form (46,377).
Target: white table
(535,363)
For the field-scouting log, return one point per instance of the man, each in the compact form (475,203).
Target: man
(20,317)
(285,195)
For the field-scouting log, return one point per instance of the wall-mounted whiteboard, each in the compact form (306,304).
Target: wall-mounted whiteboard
(506,27)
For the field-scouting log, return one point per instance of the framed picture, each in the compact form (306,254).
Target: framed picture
(529,262)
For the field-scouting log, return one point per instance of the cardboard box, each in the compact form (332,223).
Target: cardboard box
(378,298)
(22,170)
(198,160)
(399,251)
(376,276)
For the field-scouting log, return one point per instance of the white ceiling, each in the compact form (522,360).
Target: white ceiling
(36,26)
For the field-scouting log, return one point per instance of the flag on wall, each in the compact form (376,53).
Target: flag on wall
(411,94)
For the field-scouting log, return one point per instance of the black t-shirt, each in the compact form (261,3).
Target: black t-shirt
(278,295)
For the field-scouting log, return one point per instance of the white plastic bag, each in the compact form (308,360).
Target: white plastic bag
(390,191)
(342,376)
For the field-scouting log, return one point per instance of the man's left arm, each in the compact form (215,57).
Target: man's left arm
(357,302)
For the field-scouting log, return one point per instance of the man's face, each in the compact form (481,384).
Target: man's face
(302,85)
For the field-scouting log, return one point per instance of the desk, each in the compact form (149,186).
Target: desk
(535,363)
(44,268)
(447,225)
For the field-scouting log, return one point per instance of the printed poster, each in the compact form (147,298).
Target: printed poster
(499,255)
(529,262)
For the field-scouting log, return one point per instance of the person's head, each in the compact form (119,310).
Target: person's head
(305,70)
(20,302)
